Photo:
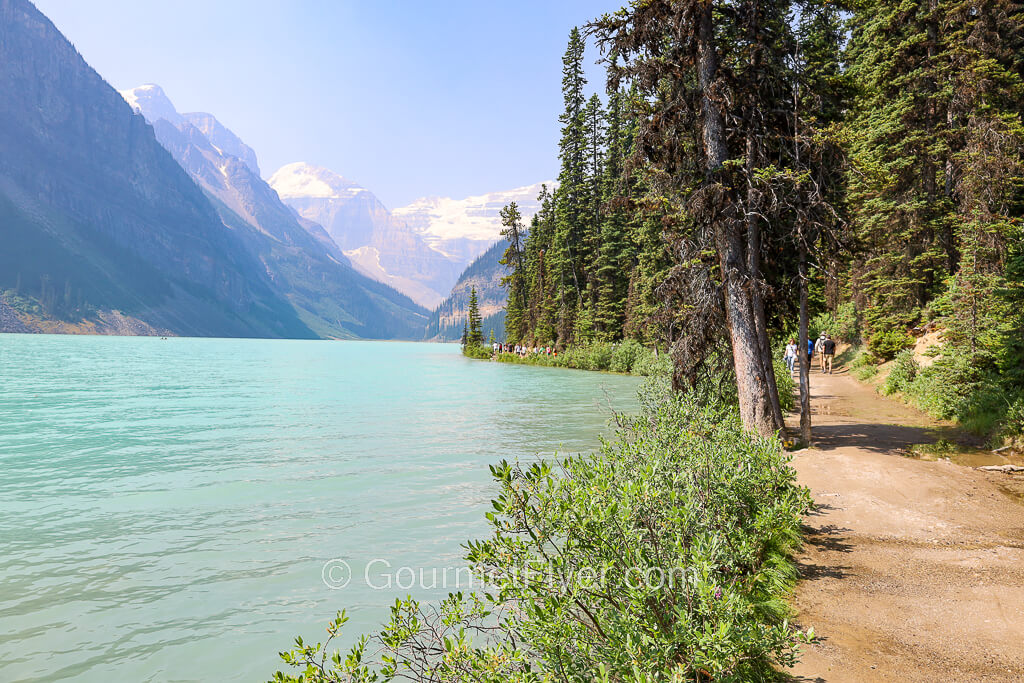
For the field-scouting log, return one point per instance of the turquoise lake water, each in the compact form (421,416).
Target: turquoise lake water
(167,507)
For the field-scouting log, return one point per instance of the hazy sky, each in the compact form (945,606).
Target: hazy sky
(406,97)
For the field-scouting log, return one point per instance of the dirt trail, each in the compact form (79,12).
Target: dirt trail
(912,570)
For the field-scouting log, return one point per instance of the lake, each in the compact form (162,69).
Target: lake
(179,509)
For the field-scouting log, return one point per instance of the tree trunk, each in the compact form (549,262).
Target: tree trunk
(805,362)
(751,381)
(756,300)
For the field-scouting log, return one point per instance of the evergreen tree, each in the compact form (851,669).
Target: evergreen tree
(475,336)
(542,285)
(614,258)
(514,282)
(899,189)
(682,56)
(565,259)
(984,43)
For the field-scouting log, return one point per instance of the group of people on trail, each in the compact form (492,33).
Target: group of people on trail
(825,347)
(522,350)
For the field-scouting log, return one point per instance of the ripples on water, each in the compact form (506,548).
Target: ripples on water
(166,506)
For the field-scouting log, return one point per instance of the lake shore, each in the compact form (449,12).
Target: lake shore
(622,358)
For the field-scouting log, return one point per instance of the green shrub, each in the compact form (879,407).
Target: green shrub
(904,370)
(862,359)
(651,364)
(1013,422)
(985,411)
(477,351)
(784,381)
(865,373)
(863,365)
(626,355)
(665,556)
(846,325)
(944,388)
(887,343)
(842,325)
(598,356)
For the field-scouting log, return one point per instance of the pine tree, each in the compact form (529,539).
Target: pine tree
(475,335)
(822,94)
(542,285)
(899,190)
(565,259)
(984,43)
(514,282)
(614,260)
(682,56)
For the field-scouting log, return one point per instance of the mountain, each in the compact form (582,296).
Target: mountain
(376,244)
(484,273)
(301,260)
(102,230)
(419,249)
(463,229)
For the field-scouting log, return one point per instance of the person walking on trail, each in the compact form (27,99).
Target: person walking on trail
(790,356)
(810,354)
(828,354)
(819,346)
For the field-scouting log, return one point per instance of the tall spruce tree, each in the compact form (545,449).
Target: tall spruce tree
(899,189)
(614,259)
(984,42)
(514,282)
(821,97)
(565,258)
(475,335)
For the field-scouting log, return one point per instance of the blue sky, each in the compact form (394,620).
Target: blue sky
(409,98)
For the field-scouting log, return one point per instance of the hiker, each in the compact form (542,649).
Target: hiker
(828,354)
(790,356)
(819,346)
(810,353)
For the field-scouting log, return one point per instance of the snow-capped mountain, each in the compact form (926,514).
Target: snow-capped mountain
(299,256)
(373,241)
(349,213)
(420,249)
(465,228)
(151,100)
(223,139)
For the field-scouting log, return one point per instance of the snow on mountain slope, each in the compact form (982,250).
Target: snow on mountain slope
(300,179)
(300,257)
(222,137)
(419,249)
(151,102)
(377,244)
(442,220)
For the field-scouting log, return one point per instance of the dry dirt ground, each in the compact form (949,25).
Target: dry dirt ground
(912,570)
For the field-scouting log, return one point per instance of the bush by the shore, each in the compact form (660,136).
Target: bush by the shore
(476,351)
(664,556)
(629,357)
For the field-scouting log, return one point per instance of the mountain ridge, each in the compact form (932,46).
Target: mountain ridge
(331,297)
(422,248)
(97,217)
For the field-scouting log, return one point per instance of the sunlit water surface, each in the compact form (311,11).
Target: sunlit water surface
(167,506)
